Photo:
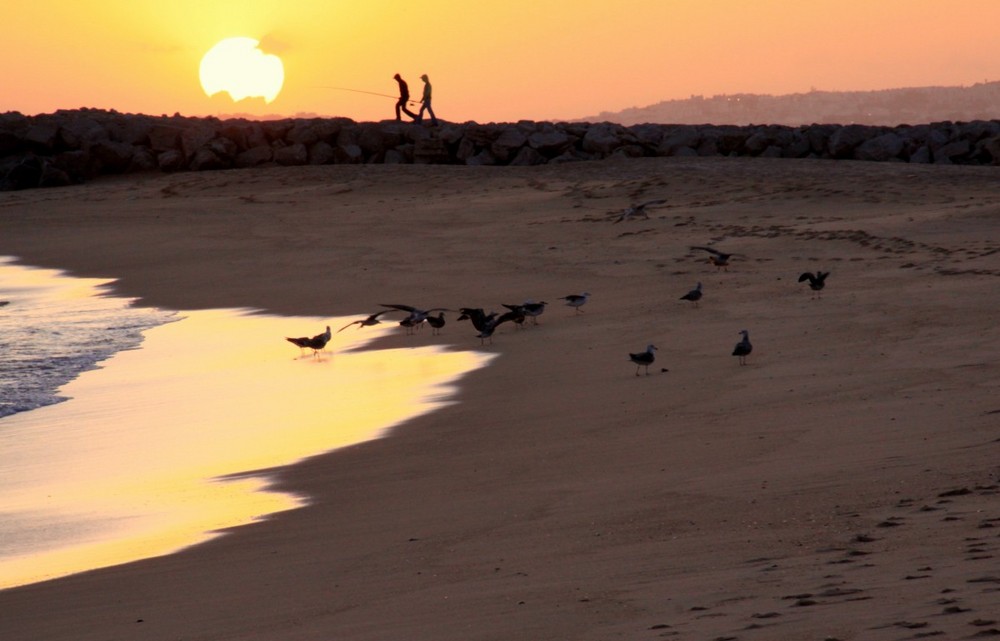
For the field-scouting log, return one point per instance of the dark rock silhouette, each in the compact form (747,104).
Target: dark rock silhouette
(68,147)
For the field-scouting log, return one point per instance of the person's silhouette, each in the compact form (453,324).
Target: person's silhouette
(404,97)
(425,102)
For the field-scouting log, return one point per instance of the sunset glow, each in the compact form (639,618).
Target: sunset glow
(490,61)
(238,67)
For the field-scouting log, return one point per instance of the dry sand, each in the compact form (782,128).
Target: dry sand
(843,484)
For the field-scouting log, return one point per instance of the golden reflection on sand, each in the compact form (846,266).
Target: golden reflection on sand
(133,465)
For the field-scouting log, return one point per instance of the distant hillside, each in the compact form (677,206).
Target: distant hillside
(888,107)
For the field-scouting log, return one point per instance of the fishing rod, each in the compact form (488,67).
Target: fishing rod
(370,93)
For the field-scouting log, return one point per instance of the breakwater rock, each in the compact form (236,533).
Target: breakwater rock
(69,147)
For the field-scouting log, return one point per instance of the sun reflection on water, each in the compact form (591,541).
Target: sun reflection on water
(150,455)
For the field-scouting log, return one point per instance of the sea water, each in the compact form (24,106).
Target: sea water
(52,328)
(172,423)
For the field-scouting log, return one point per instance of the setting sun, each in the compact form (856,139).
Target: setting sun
(238,67)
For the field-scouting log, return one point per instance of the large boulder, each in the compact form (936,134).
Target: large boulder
(953,152)
(881,148)
(112,157)
(254,157)
(42,137)
(603,138)
(82,133)
(550,141)
(845,140)
(163,137)
(291,155)
(509,142)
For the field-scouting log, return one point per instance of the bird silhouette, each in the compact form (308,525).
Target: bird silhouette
(716,257)
(491,322)
(694,295)
(576,300)
(638,210)
(743,348)
(436,323)
(316,343)
(366,322)
(816,282)
(643,359)
(533,310)
(417,316)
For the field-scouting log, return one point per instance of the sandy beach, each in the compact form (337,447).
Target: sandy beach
(842,485)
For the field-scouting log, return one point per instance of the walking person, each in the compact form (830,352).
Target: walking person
(404,97)
(425,102)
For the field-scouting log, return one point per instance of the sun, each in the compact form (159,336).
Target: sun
(238,67)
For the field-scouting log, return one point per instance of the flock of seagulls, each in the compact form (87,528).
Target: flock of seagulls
(486,324)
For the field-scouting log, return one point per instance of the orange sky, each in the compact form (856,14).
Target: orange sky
(488,60)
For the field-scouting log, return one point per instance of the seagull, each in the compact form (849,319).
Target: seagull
(519,314)
(533,310)
(643,359)
(416,317)
(743,348)
(638,210)
(694,295)
(366,322)
(480,320)
(316,343)
(817,282)
(491,323)
(436,323)
(717,258)
(576,300)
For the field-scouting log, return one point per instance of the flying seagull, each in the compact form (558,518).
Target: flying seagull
(316,343)
(576,300)
(717,258)
(694,295)
(366,322)
(743,348)
(816,282)
(638,210)
(643,359)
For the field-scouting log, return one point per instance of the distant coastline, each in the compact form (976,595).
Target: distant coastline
(888,107)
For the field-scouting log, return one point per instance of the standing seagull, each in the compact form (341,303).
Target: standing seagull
(743,348)
(316,343)
(436,323)
(638,210)
(532,310)
(643,359)
(717,258)
(817,282)
(576,300)
(694,295)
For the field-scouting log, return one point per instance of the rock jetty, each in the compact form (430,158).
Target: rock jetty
(70,147)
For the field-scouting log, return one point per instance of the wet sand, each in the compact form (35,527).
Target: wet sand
(843,484)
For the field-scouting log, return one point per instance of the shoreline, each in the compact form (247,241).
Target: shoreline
(562,497)
(111,476)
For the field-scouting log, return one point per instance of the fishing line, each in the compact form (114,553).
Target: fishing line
(370,93)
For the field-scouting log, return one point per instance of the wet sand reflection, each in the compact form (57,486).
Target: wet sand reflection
(135,464)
